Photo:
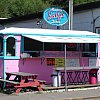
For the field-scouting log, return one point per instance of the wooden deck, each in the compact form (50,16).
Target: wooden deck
(48,87)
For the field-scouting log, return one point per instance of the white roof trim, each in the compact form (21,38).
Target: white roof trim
(50,35)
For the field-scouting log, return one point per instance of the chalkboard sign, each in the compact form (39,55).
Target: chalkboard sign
(92,62)
(72,62)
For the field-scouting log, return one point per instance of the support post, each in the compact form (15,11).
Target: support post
(70,28)
(65,71)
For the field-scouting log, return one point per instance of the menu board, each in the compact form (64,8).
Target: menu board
(92,62)
(59,62)
(74,62)
(50,61)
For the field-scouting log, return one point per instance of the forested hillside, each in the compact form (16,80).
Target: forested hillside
(14,8)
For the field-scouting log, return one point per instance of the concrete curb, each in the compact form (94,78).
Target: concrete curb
(83,98)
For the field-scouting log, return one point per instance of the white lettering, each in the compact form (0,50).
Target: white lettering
(56,15)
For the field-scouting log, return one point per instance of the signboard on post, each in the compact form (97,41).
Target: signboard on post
(55,16)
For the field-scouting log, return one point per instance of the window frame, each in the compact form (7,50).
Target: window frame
(5,48)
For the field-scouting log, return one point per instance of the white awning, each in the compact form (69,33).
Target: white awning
(54,36)
(56,39)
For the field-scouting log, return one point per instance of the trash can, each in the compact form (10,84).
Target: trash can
(93,76)
(56,78)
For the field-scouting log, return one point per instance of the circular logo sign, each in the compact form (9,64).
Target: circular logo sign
(55,16)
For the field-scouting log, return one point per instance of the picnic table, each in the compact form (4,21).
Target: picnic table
(23,80)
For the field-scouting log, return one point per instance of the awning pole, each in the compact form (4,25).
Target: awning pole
(65,71)
(70,28)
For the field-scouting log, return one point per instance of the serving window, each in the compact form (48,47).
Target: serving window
(33,47)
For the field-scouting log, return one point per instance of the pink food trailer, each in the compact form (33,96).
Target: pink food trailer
(41,50)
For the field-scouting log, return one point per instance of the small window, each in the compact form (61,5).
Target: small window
(10,46)
(89,50)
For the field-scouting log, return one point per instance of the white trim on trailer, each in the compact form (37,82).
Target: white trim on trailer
(56,36)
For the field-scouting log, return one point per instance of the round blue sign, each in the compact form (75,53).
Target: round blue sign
(55,16)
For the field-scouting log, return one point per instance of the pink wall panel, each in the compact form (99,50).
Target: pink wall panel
(34,65)
(12,65)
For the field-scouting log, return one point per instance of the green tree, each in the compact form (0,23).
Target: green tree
(4,8)
(24,7)
(13,8)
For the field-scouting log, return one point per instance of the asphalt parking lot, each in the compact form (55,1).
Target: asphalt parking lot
(84,94)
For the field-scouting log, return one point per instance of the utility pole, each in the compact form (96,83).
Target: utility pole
(70,14)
